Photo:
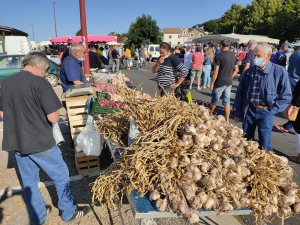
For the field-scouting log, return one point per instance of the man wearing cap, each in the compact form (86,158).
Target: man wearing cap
(280,57)
(263,91)
(294,75)
(250,55)
(187,61)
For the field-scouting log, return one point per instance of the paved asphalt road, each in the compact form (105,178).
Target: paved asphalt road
(13,210)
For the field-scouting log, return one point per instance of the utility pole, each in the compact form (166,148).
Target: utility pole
(84,36)
(54,19)
(32,31)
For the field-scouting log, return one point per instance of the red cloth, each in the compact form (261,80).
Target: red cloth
(241,55)
(197,60)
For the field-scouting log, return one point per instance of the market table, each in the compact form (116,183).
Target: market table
(144,209)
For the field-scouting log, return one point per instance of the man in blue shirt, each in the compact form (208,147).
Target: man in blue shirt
(294,75)
(71,70)
(248,60)
(280,57)
(263,91)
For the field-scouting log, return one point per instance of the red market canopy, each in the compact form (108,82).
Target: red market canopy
(91,39)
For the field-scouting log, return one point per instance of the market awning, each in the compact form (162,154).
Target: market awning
(91,39)
(236,38)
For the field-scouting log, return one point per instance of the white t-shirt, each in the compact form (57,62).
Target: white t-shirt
(187,59)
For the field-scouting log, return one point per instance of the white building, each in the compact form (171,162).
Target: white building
(173,36)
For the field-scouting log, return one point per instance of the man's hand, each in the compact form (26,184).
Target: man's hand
(237,119)
(211,87)
(175,85)
(287,112)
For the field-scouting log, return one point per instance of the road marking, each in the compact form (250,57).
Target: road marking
(10,191)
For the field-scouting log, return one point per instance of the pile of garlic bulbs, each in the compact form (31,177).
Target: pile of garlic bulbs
(190,160)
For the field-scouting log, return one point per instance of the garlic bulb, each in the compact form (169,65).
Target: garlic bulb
(193,218)
(204,167)
(285,210)
(174,162)
(154,195)
(196,203)
(203,197)
(161,204)
(290,191)
(174,197)
(209,203)
(297,207)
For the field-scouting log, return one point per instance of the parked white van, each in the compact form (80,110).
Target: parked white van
(154,51)
(17,45)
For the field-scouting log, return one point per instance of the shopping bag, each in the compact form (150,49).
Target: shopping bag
(57,133)
(88,140)
(294,112)
(133,131)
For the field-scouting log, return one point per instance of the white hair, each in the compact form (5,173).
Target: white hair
(76,46)
(36,59)
(266,48)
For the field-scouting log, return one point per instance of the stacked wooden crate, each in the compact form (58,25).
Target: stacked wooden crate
(77,121)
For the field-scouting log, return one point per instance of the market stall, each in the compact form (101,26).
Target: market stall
(91,39)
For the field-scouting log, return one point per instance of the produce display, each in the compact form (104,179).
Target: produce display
(111,104)
(119,79)
(190,160)
(106,87)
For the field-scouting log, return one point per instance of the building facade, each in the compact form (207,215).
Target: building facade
(174,38)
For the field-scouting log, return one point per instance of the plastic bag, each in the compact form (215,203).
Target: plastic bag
(57,133)
(133,131)
(88,140)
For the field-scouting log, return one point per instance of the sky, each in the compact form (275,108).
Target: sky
(103,17)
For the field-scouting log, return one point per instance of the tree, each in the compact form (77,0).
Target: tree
(231,19)
(78,33)
(211,26)
(120,37)
(144,28)
(285,25)
(261,15)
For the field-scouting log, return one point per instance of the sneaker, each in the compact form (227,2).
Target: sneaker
(199,88)
(190,87)
(208,86)
(48,210)
(203,86)
(80,212)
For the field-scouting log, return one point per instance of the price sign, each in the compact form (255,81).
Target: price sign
(184,32)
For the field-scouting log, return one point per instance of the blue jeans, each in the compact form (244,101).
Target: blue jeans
(52,163)
(221,92)
(206,77)
(289,125)
(137,63)
(262,119)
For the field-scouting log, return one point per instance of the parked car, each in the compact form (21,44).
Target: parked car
(154,51)
(11,64)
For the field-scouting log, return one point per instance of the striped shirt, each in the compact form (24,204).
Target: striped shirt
(165,74)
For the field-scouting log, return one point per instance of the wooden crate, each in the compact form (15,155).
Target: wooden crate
(77,121)
(86,164)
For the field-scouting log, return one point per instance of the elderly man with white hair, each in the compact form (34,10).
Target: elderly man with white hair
(263,91)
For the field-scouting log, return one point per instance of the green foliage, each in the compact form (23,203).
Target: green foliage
(231,20)
(78,33)
(212,26)
(144,30)
(120,37)
(285,25)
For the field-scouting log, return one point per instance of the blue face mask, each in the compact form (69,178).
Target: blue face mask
(259,62)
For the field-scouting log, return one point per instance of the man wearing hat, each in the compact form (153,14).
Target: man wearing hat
(294,75)
(187,61)
(280,57)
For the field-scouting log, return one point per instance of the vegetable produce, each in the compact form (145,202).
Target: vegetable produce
(119,80)
(111,104)
(106,87)
(189,159)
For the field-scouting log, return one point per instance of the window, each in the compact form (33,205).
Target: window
(170,36)
(1,47)
(200,35)
(170,43)
(157,48)
(179,36)
(191,35)
(151,48)
(179,42)
(8,62)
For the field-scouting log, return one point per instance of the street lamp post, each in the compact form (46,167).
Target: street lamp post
(32,31)
(54,19)
(84,35)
